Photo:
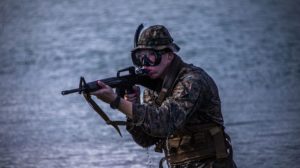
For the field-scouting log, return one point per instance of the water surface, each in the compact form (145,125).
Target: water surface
(250,48)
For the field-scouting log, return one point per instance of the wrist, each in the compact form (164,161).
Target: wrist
(115,103)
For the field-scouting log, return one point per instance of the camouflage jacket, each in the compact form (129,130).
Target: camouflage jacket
(193,100)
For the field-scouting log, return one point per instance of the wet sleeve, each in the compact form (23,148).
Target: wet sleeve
(171,115)
(139,136)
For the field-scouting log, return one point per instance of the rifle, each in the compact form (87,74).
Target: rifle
(122,83)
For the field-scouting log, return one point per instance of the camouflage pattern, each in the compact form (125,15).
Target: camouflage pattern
(194,100)
(156,37)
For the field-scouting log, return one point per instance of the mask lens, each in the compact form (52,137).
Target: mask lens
(146,58)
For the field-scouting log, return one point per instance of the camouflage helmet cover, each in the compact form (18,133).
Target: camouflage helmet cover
(156,37)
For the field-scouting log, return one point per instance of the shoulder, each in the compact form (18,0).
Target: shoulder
(191,74)
(190,81)
(198,79)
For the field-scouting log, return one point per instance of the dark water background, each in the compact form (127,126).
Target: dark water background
(250,47)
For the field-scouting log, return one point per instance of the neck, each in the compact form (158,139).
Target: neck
(166,71)
(173,67)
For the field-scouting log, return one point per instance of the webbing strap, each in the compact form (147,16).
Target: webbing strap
(161,96)
(116,123)
(170,79)
(219,141)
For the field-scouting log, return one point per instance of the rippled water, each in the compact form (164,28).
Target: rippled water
(250,48)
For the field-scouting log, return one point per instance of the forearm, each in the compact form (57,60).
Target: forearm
(158,121)
(125,107)
(140,137)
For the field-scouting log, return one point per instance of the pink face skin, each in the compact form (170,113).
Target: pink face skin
(159,70)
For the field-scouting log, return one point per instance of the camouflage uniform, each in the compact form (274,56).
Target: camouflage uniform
(193,100)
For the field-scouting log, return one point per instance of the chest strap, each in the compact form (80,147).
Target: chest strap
(207,142)
(219,142)
(169,80)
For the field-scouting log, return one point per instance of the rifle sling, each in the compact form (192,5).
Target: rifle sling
(94,105)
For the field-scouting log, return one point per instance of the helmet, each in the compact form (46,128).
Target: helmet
(156,37)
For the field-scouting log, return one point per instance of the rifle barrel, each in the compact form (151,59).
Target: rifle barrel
(65,92)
